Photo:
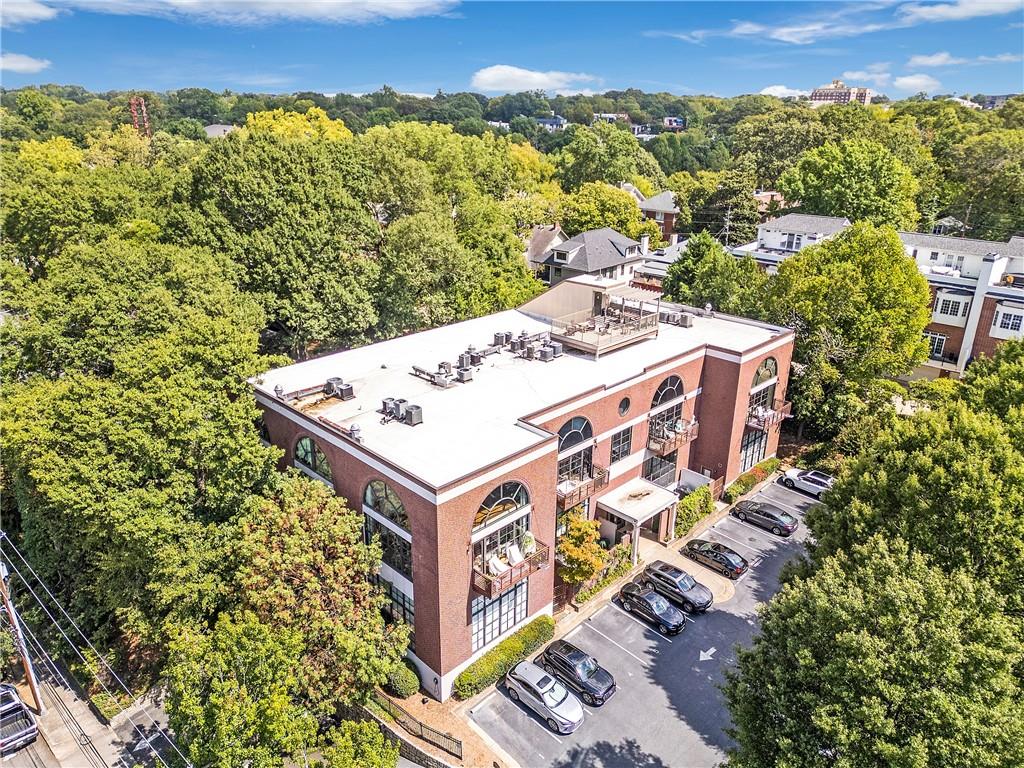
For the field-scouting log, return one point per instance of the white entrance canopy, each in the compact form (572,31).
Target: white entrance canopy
(636,502)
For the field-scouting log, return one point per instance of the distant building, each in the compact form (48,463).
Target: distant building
(948,225)
(660,208)
(839,92)
(995,102)
(218,130)
(598,252)
(553,124)
(964,102)
(611,117)
(542,239)
(673,123)
(498,124)
(651,274)
(766,200)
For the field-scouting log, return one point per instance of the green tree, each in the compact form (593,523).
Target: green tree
(723,203)
(603,152)
(949,482)
(859,307)
(988,173)
(580,555)
(996,384)
(859,179)
(879,659)
(595,205)
(302,567)
(776,139)
(358,745)
(231,694)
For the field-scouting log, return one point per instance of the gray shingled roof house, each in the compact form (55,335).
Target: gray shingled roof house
(663,202)
(808,223)
(602,252)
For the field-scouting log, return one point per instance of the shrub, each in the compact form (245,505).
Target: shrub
(492,666)
(403,680)
(692,507)
(619,563)
(749,479)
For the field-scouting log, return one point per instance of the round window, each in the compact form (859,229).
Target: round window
(623,406)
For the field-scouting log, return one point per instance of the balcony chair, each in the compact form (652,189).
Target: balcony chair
(515,557)
(495,567)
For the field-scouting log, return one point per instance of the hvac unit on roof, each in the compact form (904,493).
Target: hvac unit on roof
(501,338)
(556,348)
(686,320)
(335,387)
(400,405)
(413,415)
(547,354)
(514,345)
(388,407)
(464,374)
(475,358)
(464,360)
(444,367)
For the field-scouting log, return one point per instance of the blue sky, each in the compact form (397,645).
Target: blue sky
(418,46)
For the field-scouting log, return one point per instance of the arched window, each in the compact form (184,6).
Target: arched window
(575,431)
(670,389)
(309,455)
(766,371)
(507,497)
(385,502)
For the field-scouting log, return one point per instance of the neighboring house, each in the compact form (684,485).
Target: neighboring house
(611,117)
(598,252)
(766,200)
(465,447)
(553,124)
(673,123)
(660,208)
(218,130)
(498,124)
(964,102)
(995,102)
(838,92)
(651,274)
(948,225)
(542,239)
(977,285)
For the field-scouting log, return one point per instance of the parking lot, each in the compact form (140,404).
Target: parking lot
(668,709)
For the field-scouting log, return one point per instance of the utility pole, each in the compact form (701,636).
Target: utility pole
(19,639)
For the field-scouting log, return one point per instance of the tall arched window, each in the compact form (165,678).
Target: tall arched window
(385,502)
(670,389)
(309,455)
(575,431)
(766,371)
(505,498)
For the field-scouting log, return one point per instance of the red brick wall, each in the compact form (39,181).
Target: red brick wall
(954,336)
(983,343)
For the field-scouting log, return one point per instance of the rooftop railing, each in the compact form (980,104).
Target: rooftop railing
(491,585)
(763,418)
(583,489)
(597,333)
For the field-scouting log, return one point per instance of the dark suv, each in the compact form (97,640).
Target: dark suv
(578,671)
(678,586)
(652,607)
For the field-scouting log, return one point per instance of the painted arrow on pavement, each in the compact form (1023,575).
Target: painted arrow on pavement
(706,655)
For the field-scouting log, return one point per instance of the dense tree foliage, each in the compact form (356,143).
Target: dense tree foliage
(880,659)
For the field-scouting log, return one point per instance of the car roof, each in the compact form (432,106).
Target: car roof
(529,672)
(667,568)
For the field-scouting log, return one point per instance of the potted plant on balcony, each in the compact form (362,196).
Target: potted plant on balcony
(528,544)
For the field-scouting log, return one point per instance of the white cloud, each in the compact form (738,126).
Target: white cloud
(917,82)
(782,91)
(876,74)
(504,78)
(13,13)
(22,64)
(957,10)
(1002,58)
(248,12)
(941,59)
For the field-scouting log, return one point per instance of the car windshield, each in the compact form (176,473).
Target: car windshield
(586,667)
(786,517)
(685,581)
(658,603)
(733,558)
(555,694)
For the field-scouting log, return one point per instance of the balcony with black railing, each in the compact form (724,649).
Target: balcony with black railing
(763,418)
(666,438)
(574,490)
(499,574)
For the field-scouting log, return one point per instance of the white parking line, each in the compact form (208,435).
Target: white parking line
(542,727)
(572,633)
(790,507)
(737,541)
(622,647)
(588,711)
(753,527)
(658,634)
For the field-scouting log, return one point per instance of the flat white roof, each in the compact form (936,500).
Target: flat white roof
(469,426)
(637,500)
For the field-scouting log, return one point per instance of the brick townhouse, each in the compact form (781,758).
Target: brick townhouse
(977,285)
(465,446)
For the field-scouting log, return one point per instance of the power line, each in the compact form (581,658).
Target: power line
(74,647)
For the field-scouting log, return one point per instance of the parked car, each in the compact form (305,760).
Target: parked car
(717,557)
(767,516)
(541,692)
(809,481)
(652,607)
(578,671)
(17,723)
(678,586)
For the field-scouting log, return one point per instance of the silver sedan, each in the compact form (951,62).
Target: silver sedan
(528,683)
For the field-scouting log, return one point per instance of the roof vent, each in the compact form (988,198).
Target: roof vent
(279,392)
(355,432)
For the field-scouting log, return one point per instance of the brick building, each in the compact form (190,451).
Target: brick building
(977,285)
(838,92)
(466,445)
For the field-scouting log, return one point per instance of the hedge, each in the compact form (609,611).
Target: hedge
(692,507)
(403,680)
(749,479)
(493,665)
(619,564)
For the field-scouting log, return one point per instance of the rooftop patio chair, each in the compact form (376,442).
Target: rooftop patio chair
(515,557)
(496,567)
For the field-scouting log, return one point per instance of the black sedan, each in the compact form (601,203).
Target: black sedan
(652,607)
(578,671)
(717,557)
(678,586)
(767,516)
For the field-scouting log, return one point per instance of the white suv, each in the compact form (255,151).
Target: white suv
(809,481)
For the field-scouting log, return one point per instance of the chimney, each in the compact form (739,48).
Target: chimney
(645,242)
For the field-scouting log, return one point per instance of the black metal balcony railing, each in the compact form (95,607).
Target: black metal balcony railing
(584,488)
(944,357)
(491,585)
(763,418)
(664,440)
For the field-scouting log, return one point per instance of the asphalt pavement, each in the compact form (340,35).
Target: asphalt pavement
(669,709)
